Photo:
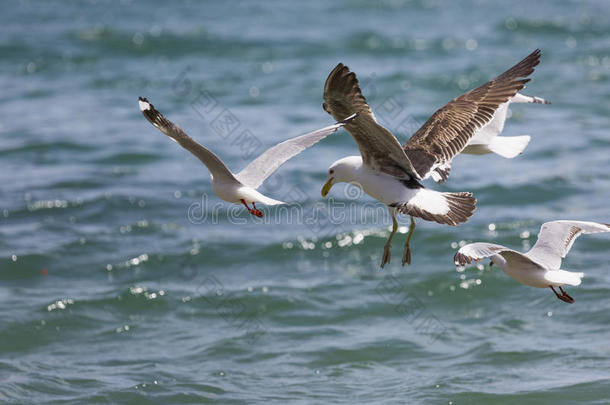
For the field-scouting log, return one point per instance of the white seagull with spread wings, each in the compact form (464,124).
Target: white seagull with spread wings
(540,267)
(239,188)
(486,139)
(390,172)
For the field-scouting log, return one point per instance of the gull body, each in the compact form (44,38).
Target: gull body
(487,140)
(541,266)
(239,188)
(234,193)
(534,275)
(387,188)
(391,172)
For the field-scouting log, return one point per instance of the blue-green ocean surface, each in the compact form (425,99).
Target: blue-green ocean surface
(124,279)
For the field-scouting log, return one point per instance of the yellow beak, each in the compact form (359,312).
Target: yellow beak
(327,186)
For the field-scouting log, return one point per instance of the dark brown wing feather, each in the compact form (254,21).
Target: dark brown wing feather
(450,128)
(380,150)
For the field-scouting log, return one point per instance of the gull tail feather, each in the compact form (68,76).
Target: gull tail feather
(509,146)
(443,208)
(561,277)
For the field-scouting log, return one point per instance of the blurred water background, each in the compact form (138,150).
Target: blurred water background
(123,279)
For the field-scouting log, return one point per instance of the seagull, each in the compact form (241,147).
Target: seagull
(239,188)
(391,173)
(540,267)
(486,139)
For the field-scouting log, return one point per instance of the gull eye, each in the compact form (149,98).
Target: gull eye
(331,171)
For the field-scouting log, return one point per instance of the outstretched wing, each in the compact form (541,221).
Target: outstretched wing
(380,150)
(556,239)
(480,250)
(216,167)
(450,128)
(263,166)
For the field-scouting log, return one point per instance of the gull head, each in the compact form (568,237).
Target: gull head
(498,260)
(343,170)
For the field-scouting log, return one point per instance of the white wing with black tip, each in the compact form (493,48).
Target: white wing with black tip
(474,252)
(217,168)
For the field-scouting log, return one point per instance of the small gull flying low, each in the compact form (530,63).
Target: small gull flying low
(239,188)
(540,267)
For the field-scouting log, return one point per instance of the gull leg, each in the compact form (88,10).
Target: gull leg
(254,211)
(565,294)
(246,205)
(406,254)
(386,249)
(257,212)
(562,297)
